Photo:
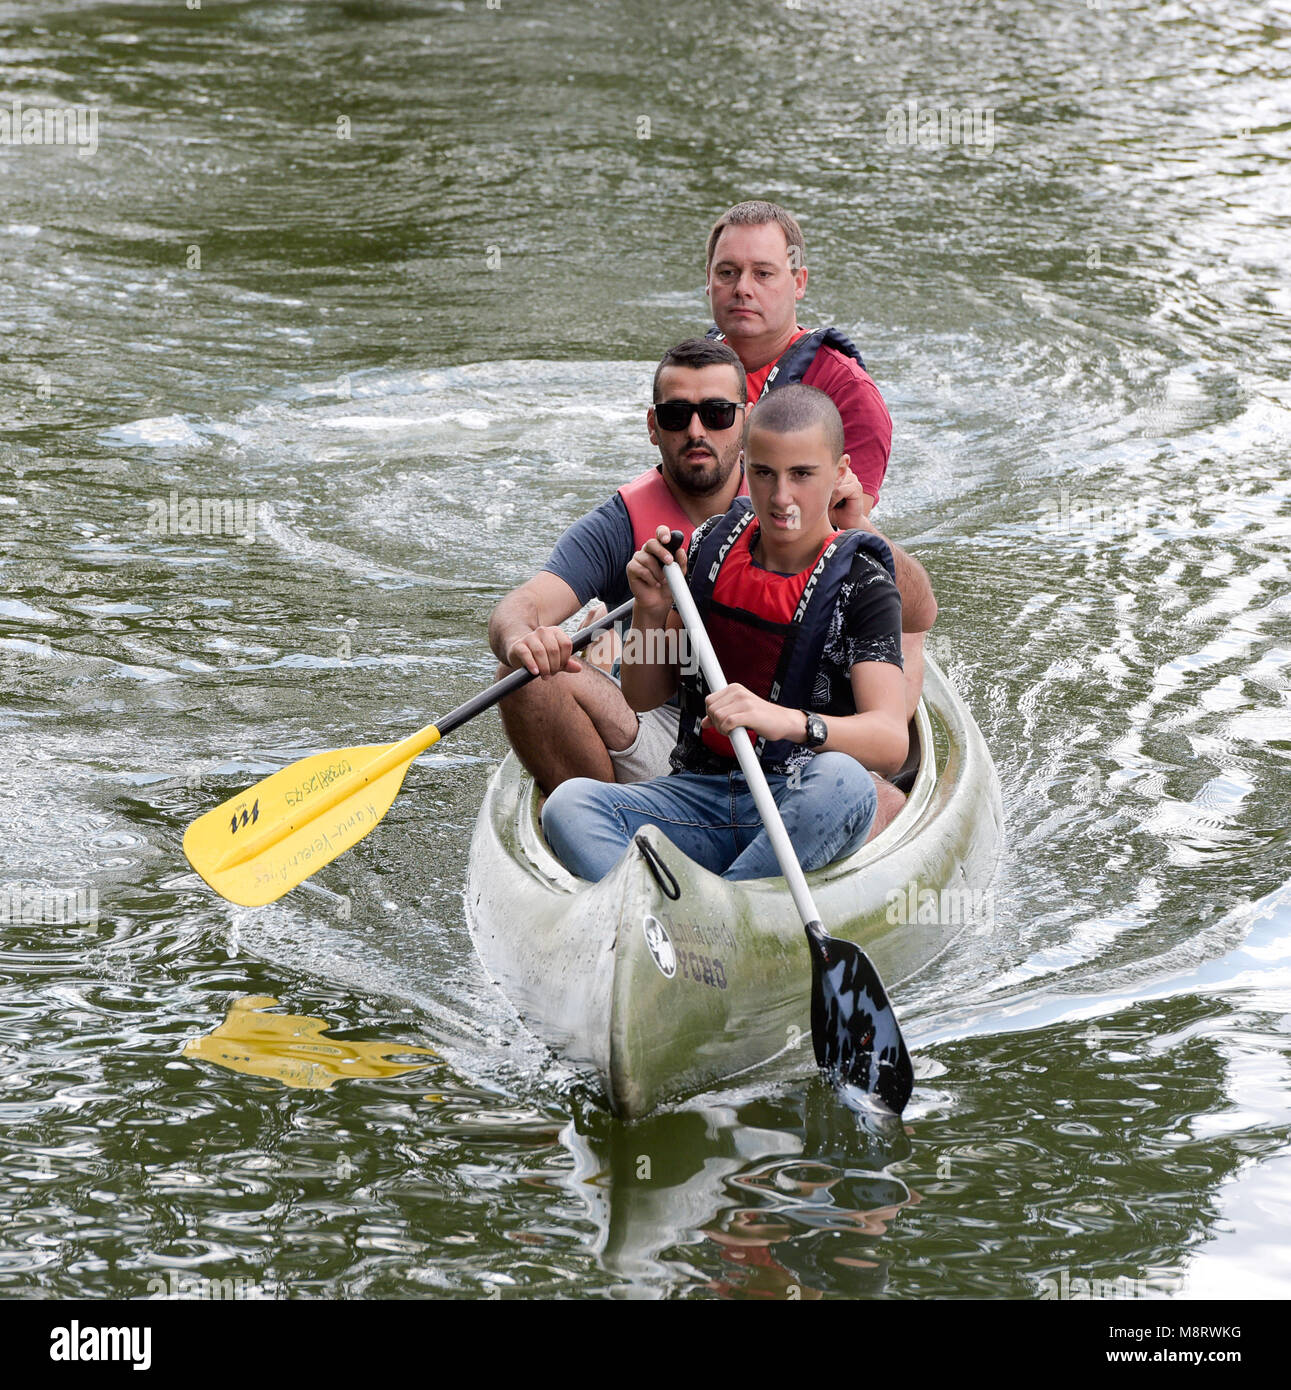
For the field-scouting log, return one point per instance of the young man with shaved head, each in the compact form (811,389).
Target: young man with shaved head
(806,624)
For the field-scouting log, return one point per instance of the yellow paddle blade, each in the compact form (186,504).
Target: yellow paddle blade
(260,844)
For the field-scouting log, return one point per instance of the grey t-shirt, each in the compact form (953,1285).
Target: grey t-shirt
(592,558)
(592,555)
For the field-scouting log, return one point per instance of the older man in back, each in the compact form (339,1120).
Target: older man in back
(756,272)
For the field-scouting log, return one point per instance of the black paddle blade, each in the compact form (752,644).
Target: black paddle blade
(853,1028)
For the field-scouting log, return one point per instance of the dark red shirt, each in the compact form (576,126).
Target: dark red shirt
(867,426)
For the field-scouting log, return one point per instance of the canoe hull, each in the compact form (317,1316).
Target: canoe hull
(657,995)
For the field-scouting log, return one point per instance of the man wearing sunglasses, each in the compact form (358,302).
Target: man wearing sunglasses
(756,273)
(574,721)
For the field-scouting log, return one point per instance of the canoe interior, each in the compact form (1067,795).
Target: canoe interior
(657,995)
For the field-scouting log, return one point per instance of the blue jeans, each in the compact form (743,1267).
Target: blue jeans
(713,819)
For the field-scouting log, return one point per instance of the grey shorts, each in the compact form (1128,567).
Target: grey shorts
(647,755)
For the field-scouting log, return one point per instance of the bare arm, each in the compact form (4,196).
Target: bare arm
(524,627)
(849,509)
(649,684)
(912,655)
(918,602)
(876,736)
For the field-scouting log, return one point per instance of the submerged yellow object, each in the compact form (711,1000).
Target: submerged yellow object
(291,1048)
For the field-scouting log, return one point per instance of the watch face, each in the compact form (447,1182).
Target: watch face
(817,731)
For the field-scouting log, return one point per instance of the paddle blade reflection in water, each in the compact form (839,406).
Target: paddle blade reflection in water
(291,1048)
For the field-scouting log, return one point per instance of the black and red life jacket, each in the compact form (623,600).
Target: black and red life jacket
(768,631)
(795,361)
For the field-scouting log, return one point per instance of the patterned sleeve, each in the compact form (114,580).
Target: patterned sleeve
(873,620)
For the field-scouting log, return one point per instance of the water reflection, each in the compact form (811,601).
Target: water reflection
(758,1185)
(291,1048)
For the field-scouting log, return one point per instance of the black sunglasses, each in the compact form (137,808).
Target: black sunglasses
(713,415)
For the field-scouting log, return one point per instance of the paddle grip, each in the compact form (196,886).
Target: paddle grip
(499,690)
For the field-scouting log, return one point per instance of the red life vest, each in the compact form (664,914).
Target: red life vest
(775,649)
(650,504)
(750,618)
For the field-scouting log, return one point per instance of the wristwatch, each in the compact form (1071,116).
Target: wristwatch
(817,731)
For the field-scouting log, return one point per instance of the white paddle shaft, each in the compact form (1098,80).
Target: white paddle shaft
(743,745)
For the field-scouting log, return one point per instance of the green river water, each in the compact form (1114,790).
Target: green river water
(396,277)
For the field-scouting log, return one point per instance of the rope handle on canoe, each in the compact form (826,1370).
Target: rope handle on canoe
(658,868)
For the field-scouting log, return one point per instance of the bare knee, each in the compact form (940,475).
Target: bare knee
(533,691)
(890,800)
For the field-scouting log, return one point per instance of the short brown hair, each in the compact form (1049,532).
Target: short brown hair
(701,352)
(757,214)
(794,408)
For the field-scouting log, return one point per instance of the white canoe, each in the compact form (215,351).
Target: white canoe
(660,984)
